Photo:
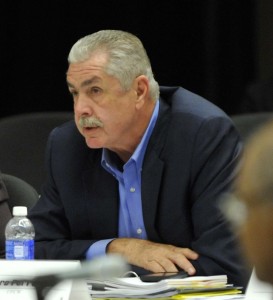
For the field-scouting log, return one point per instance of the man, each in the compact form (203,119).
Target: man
(140,170)
(254,199)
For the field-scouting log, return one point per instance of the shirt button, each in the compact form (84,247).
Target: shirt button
(132,189)
(139,231)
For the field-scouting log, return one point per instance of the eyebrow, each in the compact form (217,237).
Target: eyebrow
(85,82)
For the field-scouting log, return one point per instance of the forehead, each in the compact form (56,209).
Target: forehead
(95,63)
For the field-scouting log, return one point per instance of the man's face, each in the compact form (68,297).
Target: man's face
(98,95)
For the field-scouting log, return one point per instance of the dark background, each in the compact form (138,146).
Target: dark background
(212,47)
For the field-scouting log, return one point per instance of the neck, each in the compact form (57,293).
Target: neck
(136,134)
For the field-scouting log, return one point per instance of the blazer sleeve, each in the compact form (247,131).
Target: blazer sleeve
(70,214)
(53,230)
(215,162)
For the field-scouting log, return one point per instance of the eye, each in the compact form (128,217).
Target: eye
(95,90)
(73,93)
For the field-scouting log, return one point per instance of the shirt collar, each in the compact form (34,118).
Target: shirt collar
(138,154)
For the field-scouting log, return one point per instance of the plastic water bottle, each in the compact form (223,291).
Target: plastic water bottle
(19,236)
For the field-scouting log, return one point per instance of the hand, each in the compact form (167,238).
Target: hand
(152,256)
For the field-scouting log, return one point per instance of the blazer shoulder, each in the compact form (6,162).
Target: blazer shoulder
(66,132)
(188,103)
(66,139)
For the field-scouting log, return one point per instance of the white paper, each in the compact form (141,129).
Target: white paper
(258,290)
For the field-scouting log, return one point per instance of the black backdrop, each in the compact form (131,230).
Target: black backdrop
(207,46)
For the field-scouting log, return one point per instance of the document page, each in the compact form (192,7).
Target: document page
(258,290)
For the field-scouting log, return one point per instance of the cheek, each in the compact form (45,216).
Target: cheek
(118,120)
(76,118)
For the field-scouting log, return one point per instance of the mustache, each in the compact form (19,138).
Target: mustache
(90,122)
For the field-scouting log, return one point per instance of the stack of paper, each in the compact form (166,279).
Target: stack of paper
(217,281)
(131,287)
(200,287)
(194,287)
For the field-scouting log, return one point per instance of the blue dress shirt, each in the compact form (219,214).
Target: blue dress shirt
(131,222)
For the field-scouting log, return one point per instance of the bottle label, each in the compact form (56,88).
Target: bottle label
(19,249)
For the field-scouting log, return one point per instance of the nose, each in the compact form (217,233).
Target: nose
(82,105)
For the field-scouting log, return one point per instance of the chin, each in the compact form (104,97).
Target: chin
(93,143)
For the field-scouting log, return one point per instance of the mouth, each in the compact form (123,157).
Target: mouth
(89,131)
(90,128)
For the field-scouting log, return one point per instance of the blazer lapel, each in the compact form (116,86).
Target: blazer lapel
(102,199)
(152,171)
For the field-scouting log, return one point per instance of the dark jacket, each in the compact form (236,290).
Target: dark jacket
(190,160)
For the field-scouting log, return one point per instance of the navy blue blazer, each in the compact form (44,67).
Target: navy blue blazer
(190,160)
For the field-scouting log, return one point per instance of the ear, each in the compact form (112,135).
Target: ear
(141,87)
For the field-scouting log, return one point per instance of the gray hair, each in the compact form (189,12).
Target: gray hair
(127,58)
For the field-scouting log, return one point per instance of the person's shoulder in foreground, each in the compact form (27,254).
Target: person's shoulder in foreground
(253,197)
(141,170)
